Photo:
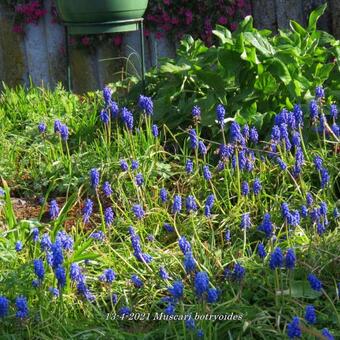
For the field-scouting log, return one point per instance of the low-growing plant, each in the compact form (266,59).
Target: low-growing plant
(236,239)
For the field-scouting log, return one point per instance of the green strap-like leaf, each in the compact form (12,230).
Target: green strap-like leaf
(314,17)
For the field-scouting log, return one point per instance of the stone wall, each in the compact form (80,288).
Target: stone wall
(39,56)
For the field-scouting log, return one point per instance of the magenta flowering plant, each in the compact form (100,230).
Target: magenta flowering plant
(197,18)
(28,12)
(172,18)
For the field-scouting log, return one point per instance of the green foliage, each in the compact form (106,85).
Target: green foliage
(37,164)
(252,72)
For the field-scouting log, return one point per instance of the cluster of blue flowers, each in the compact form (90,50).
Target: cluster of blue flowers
(238,152)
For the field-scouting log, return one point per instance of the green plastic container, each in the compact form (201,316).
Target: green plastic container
(89,11)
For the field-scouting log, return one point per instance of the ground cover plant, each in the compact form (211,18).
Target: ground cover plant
(108,219)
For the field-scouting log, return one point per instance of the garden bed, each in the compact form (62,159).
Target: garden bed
(126,229)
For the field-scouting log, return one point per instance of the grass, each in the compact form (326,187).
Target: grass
(35,166)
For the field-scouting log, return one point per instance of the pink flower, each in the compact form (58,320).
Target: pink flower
(150,17)
(230,11)
(166,27)
(233,26)
(166,2)
(188,17)
(166,17)
(85,41)
(222,20)
(240,3)
(175,21)
(146,33)
(72,41)
(117,40)
(159,35)
(18,29)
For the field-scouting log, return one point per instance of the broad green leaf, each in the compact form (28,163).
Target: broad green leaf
(213,80)
(246,25)
(223,34)
(289,105)
(314,17)
(278,68)
(302,289)
(296,27)
(322,72)
(171,68)
(261,43)
(257,120)
(266,83)
(231,61)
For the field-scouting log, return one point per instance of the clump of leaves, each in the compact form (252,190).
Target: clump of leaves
(253,72)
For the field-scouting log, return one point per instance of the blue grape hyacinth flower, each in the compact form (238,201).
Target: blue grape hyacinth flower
(327,334)
(21,307)
(123,165)
(238,272)
(163,273)
(310,315)
(189,166)
(138,283)
(244,188)
(201,283)
(193,139)
(138,211)
(319,92)
(189,262)
(154,130)
(87,210)
(39,269)
(220,114)
(314,282)
(109,216)
(276,259)
(213,295)
(107,189)
(177,204)
(94,178)
(191,204)
(64,133)
(333,111)
(75,273)
(4,306)
(104,117)
(184,245)
(245,221)
(257,186)
(261,251)
(293,328)
(42,128)
(54,209)
(176,290)
(146,104)
(18,246)
(139,179)
(60,275)
(163,195)
(107,94)
(206,173)
(290,259)
(196,112)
